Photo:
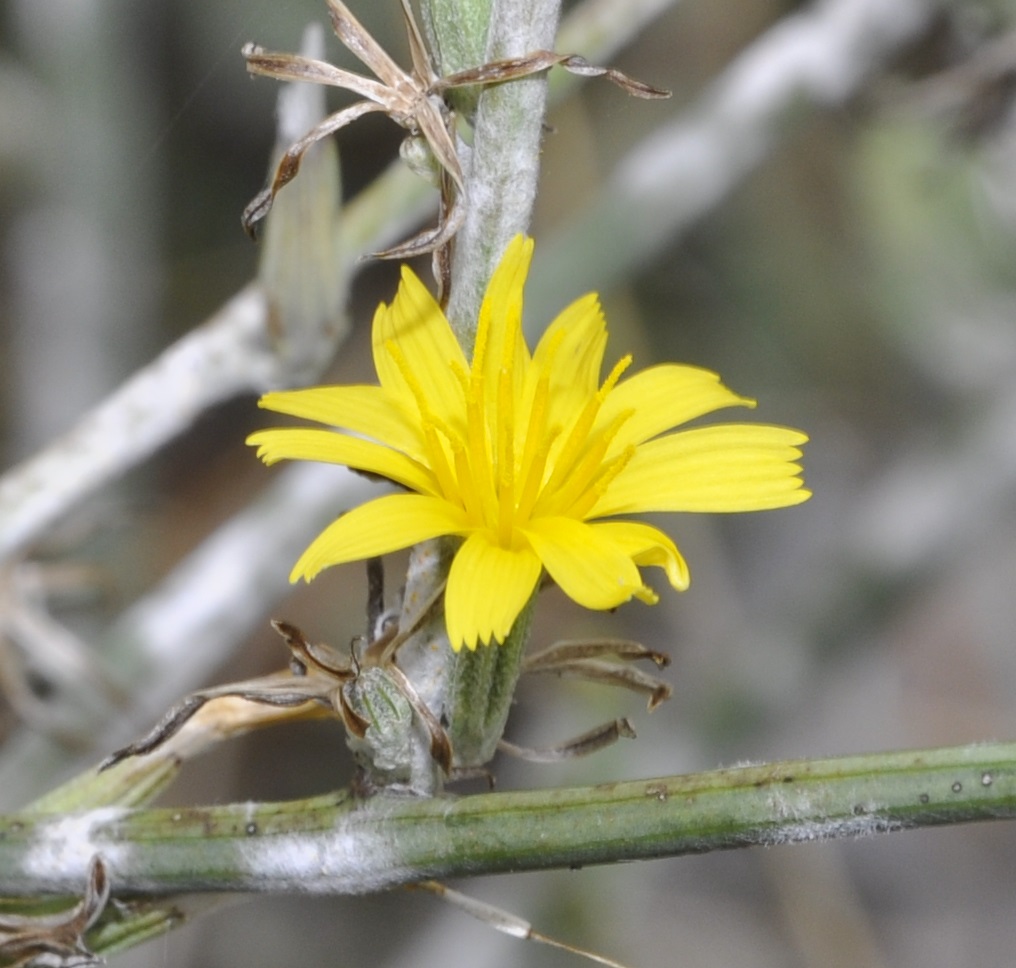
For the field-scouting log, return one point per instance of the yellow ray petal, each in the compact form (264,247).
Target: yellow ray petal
(589,567)
(648,546)
(579,357)
(500,322)
(661,398)
(390,376)
(730,467)
(331,447)
(487,588)
(385,524)
(417,326)
(361,409)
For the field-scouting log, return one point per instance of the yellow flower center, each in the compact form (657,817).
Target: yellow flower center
(502,477)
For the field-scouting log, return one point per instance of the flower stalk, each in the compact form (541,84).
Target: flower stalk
(482,684)
(475,690)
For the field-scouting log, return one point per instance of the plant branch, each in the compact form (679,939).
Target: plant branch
(222,357)
(335,844)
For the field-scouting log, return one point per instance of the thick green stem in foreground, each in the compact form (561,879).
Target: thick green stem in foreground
(336,844)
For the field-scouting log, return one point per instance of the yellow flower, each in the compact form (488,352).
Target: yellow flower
(524,455)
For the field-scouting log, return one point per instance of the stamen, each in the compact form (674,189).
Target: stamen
(450,487)
(407,374)
(475,500)
(536,445)
(587,501)
(580,478)
(535,399)
(460,374)
(569,453)
(586,471)
(481,341)
(577,442)
(615,375)
(533,477)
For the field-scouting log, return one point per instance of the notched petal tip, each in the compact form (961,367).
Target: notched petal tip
(798,495)
(488,587)
(264,451)
(277,401)
(308,566)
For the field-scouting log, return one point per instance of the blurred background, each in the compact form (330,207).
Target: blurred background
(824,213)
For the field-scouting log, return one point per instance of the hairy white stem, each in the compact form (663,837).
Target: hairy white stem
(226,355)
(504,163)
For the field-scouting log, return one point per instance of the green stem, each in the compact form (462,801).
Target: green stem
(482,687)
(337,844)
